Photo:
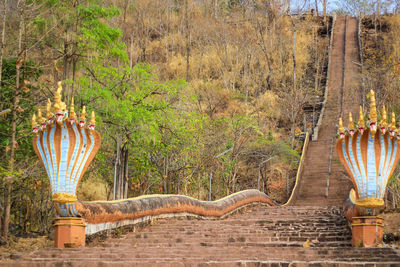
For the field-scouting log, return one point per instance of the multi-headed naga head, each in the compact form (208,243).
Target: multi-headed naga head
(369,152)
(65,148)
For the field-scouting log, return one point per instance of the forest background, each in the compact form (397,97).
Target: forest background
(197,97)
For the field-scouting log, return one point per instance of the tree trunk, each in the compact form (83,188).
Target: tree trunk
(120,175)
(187,33)
(378,8)
(65,91)
(115,184)
(294,58)
(210,187)
(165,176)
(7,207)
(259,177)
(74,62)
(292,133)
(214,4)
(286,6)
(125,9)
(234,181)
(123,173)
(3,34)
(316,7)
(198,185)
(316,78)
(125,176)
(131,53)
(324,4)
(7,193)
(364,10)
(377,15)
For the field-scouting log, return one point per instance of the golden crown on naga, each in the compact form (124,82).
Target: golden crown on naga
(369,153)
(65,148)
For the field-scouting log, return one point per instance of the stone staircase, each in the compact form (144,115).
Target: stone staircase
(257,236)
(344,95)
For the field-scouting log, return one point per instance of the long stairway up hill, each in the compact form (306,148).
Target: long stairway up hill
(312,232)
(344,95)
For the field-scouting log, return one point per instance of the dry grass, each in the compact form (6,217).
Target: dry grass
(92,189)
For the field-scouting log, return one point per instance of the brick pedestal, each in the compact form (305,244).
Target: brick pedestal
(69,232)
(367,231)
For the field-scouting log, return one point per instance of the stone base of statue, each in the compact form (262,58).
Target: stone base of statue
(367,231)
(69,232)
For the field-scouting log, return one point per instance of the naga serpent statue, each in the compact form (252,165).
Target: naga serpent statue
(66,146)
(370,154)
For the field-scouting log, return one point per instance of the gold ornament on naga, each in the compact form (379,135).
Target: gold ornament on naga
(66,150)
(341,129)
(373,116)
(383,123)
(42,121)
(92,123)
(82,120)
(49,114)
(392,126)
(351,125)
(59,106)
(361,123)
(35,125)
(369,156)
(72,114)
